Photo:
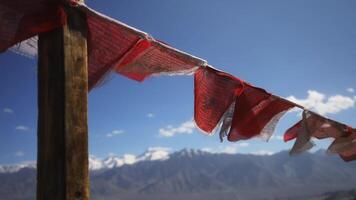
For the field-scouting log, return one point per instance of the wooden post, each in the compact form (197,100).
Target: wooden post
(62,160)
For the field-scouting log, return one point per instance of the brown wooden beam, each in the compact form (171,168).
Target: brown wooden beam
(62,161)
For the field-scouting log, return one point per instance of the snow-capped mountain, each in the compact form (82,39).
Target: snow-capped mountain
(18,167)
(194,174)
(192,152)
(112,161)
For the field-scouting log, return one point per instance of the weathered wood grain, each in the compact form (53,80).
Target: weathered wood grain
(62,105)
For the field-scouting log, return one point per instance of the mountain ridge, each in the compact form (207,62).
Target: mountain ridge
(193,174)
(114,161)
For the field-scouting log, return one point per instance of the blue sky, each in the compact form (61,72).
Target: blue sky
(286,47)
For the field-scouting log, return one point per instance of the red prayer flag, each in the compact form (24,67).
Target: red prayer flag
(321,127)
(254,110)
(20,20)
(291,133)
(313,125)
(150,57)
(214,92)
(108,42)
(345,146)
(113,45)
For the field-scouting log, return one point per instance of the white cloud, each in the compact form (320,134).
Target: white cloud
(243,144)
(231,149)
(114,133)
(170,131)
(228,149)
(276,137)
(207,149)
(8,111)
(318,102)
(129,159)
(262,153)
(351,90)
(156,153)
(19,154)
(150,115)
(22,128)
(159,149)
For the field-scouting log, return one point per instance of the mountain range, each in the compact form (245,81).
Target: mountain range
(195,174)
(97,164)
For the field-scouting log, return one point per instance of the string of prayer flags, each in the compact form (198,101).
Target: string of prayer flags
(239,110)
(321,127)
(313,125)
(115,46)
(112,45)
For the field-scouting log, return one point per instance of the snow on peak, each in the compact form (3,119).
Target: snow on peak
(18,167)
(155,153)
(191,152)
(95,163)
(113,161)
(152,154)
